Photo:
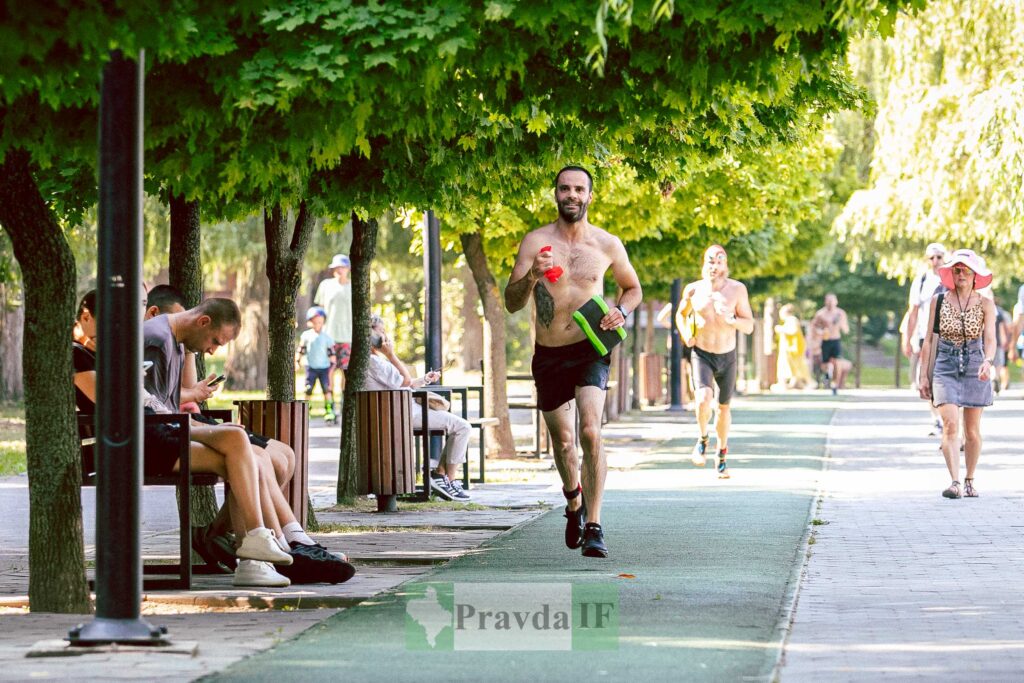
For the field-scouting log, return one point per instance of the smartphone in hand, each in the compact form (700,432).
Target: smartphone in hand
(217,380)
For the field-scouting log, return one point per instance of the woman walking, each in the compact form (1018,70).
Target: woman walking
(962,347)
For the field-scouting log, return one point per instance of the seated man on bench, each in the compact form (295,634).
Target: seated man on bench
(387,372)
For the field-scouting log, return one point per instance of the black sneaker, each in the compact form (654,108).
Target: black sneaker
(574,520)
(315,565)
(593,541)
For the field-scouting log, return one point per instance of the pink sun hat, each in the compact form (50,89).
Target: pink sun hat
(967,257)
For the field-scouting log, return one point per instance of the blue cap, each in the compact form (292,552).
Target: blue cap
(314,312)
(340,261)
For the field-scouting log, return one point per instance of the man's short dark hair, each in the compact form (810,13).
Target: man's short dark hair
(590,178)
(221,311)
(163,297)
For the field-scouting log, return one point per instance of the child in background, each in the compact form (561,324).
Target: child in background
(318,348)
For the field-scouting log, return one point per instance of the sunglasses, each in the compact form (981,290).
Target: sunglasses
(962,270)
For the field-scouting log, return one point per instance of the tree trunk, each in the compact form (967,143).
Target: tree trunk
(362,253)
(495,365)
(285,251)
(56,551)
(246,367)
(185,273)
(12,327)
(472,341)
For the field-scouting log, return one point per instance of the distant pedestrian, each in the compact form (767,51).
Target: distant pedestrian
(792,369)
(334,295)
(925,286)
(963,361)
(831,324)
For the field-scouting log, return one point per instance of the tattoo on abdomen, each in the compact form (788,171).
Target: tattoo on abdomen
(545,305)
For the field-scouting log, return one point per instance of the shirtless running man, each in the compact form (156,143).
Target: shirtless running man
(721,307)
(831,324)
(565,365)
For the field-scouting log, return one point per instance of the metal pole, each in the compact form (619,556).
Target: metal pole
(119,364)
(634,387)
(675,373)
(432,307)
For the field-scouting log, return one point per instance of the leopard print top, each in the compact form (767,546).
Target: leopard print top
(950,326)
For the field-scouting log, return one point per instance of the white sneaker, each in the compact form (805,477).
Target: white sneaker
(253,573)
(260,544)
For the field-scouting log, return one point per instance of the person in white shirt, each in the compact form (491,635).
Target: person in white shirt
(334,295)
(922,289)
(386,371)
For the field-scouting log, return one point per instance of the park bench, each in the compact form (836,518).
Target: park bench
(179,423)
(480,423)
(391,451)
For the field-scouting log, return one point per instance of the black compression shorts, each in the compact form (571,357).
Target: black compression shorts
(715,368)
(558,370)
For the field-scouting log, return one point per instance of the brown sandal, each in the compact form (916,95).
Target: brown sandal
(953,491)
(969,490)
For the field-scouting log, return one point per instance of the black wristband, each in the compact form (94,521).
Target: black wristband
(622,310)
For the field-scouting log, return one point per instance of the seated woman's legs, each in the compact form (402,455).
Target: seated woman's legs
(252,494)
(456,443)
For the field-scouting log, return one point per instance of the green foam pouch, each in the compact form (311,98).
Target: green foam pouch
(588,317)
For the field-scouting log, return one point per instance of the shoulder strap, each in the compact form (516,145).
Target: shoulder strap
(938,311)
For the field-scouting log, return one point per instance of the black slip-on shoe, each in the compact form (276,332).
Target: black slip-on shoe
(574,520)
(593,541)
(313,565)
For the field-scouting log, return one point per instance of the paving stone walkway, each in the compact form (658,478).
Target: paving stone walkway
(901,583)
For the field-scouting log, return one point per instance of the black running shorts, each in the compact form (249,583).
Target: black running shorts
(715,368)
(830,348)
(558,370)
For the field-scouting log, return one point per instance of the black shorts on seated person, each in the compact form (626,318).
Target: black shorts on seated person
(558,370)
(161,448)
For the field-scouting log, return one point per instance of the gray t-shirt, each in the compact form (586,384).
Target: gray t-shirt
(159,345)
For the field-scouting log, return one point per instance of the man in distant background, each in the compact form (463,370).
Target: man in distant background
(923,288)
(334,295)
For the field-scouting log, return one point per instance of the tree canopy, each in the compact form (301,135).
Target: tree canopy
(949,155)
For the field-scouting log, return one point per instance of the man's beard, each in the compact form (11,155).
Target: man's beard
(572,214)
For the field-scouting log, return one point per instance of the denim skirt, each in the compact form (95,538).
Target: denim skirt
(955,379)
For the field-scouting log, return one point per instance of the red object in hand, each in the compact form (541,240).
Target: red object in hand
(553,273)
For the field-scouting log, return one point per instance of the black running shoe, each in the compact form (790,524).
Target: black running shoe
(574,520)
(593,541)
